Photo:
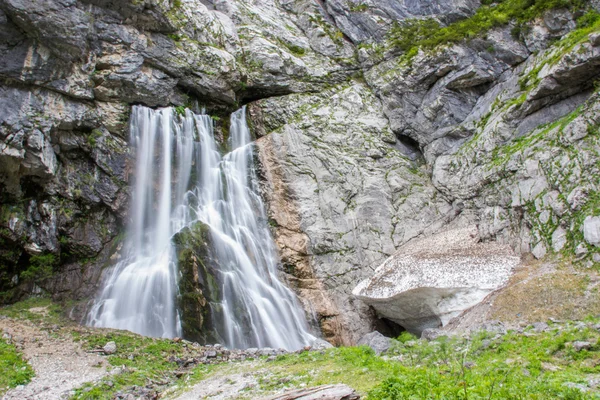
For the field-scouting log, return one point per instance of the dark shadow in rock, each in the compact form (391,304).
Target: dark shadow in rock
(388,328)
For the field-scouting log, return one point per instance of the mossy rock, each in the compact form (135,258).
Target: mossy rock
(197,282)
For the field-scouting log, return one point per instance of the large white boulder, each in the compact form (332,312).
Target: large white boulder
(430,281)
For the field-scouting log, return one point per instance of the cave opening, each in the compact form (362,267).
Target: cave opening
(409,147)
(388,328)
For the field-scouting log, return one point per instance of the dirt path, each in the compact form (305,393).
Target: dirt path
(59,363)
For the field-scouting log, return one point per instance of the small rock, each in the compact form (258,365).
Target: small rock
(550,367)
(375,340)
(593,381)
(578,346)
(493,327)
(320,344)
(177,339)
(591,230)
(210,354)
(540,327)
(574,385)
(110,348)
(469,364)
(432,334)
(252,351)
(595,39)
(580,326)
(267,351)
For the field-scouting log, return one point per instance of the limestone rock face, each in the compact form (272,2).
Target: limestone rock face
(356,196)
(69,73)
(371,19)
(430,281)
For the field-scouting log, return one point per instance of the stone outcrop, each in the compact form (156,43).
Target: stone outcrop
(430,281)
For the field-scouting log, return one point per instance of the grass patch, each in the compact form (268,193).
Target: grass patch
(427,34)
(535,295)
(37,309)
(141,360)
(515,366)
(14,370)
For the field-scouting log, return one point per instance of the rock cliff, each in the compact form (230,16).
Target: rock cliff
(363,144)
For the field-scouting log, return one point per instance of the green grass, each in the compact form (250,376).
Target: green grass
(427,34)
(49,312)
(514,366)
(484,366)
(14,370)
(143,359)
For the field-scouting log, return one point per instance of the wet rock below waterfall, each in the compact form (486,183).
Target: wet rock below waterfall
(430,281)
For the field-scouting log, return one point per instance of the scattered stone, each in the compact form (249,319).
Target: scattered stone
(579,345)
(493,327)
(469,364)
(595,39)
(210,354)
(550,367)
(320,344)
(591,230)
(432,333)
(574,385)
(593,381)
(375,340)
(110,348)
(540,327)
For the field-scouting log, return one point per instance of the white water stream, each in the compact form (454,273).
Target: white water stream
(181,178)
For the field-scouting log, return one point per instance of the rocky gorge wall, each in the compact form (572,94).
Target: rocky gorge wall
(361,149)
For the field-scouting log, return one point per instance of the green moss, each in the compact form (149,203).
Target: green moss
(295,50)
(14,370)
(93,137)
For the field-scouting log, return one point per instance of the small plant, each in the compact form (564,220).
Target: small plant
(14,370)
(41,267)
(180,110)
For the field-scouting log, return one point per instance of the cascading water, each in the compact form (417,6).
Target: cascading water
(181,178)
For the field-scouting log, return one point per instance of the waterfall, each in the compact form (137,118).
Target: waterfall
(181,179)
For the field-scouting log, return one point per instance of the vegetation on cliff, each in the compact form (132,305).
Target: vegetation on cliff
(414,34)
